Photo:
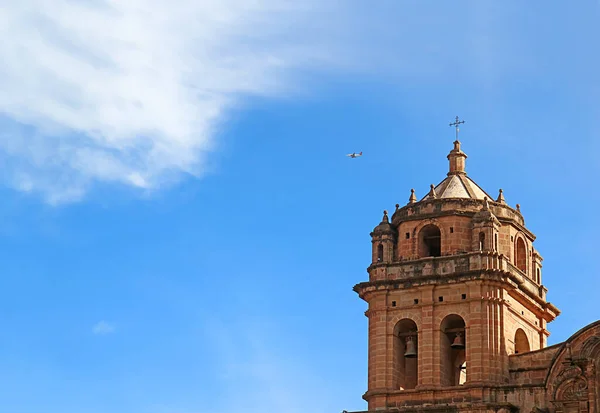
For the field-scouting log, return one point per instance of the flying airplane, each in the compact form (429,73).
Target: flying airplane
(354,154)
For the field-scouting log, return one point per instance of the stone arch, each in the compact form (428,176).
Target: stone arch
(440,316)
(404,314)
(417,231)
(379,252)
(521,256)
(405,354)
(573,378)
(586,335)
(591,348)
(453,358)
(521,342)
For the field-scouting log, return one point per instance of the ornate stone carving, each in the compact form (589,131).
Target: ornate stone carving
(575,389)
(568,373)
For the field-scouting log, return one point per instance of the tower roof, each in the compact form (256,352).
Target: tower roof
(457,184)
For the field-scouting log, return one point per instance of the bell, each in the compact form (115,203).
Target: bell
(411,349)
(458,342)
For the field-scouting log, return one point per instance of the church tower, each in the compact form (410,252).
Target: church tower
(455,288)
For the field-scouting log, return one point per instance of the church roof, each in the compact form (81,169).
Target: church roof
(457,186)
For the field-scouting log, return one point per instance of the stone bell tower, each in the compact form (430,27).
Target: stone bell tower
(454,289)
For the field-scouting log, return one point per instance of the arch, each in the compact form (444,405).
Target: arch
(521,254)
(406,345)
(482,241)
(453,368)
(496,242)
(380,253)
(590,349)
(521,342)
(430,241)
(563,354)
(538,276)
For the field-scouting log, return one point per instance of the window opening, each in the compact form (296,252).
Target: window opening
(521,342)
(431,241)
(521,255)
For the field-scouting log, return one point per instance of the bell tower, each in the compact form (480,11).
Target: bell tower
(454,289)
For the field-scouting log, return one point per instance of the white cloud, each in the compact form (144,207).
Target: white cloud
(132,92)
(102,328)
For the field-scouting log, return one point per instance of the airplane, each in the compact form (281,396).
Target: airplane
(354,154)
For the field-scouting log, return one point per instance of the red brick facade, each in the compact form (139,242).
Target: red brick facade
(457,311)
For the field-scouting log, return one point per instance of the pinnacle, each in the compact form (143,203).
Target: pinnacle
(385,218)
(432,193)
(500,198)
(413,197)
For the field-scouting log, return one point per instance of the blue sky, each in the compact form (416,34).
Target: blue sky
(180,230)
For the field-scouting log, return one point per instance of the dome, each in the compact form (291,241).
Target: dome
(458,186)
(384,226)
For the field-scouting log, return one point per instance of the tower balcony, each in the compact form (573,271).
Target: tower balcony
(482,265)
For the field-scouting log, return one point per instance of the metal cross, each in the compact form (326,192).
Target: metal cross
(455,124)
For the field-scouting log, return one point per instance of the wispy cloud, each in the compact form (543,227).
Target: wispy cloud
(133,92)
(103,327)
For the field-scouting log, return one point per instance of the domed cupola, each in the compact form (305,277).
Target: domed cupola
(457,184)
(384,226)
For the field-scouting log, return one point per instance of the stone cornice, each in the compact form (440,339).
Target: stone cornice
(458,207)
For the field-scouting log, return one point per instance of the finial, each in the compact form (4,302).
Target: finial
(385,216)
(456,156)
(455,124)
(397,207)
(500,198)
(486,204)
(413,197)
(519,208)
(432,193)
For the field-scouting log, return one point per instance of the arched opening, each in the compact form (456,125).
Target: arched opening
(521,342)
(379,253)
(521,255)
(453,351)
(496,242)
(405,355)
(481,241)
(430,241)
(538,277)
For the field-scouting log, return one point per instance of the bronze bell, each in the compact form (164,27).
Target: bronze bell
(458,342)
(411,349)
